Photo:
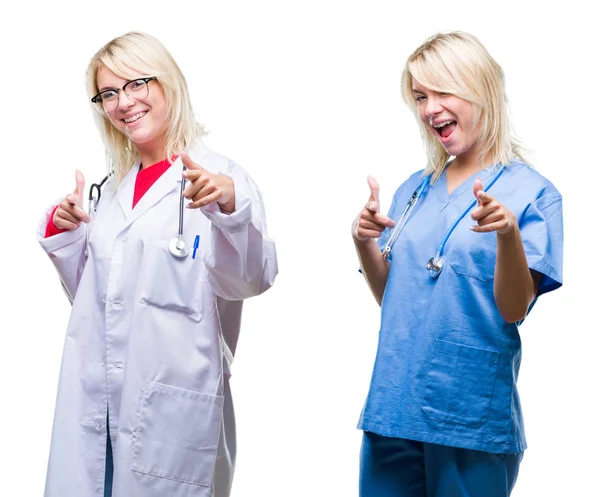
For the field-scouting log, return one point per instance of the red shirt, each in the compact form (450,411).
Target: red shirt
(143,181)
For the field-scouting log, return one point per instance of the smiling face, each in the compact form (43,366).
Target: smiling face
(449,118)
(143,121)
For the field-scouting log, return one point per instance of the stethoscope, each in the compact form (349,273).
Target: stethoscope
(435,264)
(177,245)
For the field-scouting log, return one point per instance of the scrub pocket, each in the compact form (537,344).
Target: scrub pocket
(460,384)
(177,436)
(172,283)
(473,254)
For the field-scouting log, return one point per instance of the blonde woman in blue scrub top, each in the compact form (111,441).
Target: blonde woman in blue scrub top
(442,417)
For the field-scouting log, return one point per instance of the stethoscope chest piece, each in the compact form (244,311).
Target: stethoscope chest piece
(434,266)
(178,248)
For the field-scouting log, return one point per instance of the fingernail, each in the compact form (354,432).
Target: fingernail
(187,206)
(185,174)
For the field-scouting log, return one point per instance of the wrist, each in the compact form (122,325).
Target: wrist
(511,230)
(359,240)
(228,207)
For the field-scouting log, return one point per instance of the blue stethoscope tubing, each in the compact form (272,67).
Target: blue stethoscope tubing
(435,264)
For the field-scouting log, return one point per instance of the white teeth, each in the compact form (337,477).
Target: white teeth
(439,125)
(134,118)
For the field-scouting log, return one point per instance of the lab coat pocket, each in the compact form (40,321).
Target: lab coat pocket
(460,383)
(177,436)
(172,283)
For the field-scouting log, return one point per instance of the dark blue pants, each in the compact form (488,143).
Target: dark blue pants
(109,468)
(395,467)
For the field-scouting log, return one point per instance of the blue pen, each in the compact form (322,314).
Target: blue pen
(196,243)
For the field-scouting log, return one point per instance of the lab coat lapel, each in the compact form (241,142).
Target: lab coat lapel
(164,185)
(126,188)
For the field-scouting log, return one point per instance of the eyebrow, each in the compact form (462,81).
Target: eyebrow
(107,88)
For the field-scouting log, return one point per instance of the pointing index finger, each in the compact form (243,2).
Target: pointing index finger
(189,163)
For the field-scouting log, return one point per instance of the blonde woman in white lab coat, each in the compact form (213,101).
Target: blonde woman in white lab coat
(143,406)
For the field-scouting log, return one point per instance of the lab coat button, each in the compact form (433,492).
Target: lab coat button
(117,303)
(99,425)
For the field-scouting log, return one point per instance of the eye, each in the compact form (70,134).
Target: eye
(136,85)
(108,95)
(419,98)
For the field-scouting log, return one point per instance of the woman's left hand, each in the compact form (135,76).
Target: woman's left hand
(206,187)
(490,214)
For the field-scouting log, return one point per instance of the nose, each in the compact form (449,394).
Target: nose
(433,106)
(125,101)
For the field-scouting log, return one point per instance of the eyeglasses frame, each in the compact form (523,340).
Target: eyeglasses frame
(99,95)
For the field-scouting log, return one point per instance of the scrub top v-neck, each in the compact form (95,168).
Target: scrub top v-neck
(447,363)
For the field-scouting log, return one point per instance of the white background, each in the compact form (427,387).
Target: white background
(304,95)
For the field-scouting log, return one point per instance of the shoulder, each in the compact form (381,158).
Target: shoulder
(407,188)
(220,164)
(530,180)
(208,159)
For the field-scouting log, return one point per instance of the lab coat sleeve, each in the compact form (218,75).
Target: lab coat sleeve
(242,261)
(541,228)
(66,251)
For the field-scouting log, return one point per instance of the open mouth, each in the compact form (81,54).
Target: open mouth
(135,118)
(445,129)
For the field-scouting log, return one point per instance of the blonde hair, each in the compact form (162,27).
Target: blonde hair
(457,63)
(131,56)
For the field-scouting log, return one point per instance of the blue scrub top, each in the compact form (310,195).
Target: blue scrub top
(447,362)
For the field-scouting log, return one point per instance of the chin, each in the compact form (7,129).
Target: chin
(140,138)
(454,150)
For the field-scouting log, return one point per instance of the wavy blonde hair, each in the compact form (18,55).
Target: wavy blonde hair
(457,63)
(131,56)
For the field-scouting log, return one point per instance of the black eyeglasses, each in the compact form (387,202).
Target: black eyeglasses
(136,89)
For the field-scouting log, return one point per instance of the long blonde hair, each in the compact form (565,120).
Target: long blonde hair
(131,56)
(459,64)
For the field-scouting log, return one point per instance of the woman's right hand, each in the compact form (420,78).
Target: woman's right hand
(370,223)
(70,213)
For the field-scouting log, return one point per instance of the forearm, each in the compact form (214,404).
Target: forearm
(66,251)
(242,264)
(374,268)
(242,259)
(514,286)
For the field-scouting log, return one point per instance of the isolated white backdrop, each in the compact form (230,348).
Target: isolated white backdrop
(304,95)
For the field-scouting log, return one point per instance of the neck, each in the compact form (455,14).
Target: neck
(471,161)
(151,153)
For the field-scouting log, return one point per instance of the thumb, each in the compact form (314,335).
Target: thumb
(77,196)
(477,187)
(373,203)
(189,163)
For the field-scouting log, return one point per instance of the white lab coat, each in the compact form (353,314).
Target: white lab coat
(151,338)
